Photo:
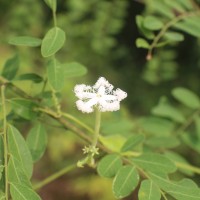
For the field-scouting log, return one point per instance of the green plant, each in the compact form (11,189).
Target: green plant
(136,153)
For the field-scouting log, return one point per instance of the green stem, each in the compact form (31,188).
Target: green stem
(188,167)
(74,119)
(97,127)
(54,176)
(5,140)
(54,19)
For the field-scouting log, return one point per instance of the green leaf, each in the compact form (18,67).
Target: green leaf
(149,191)
(16,173)
(109,165)
(189,25)
(132,142)
(164,109)
(154,162)
(174,36)
(125,181)
(30,77)
(55,74)
(162,8)
(113,142)
(11,67)
(157,126)
(187,97)
(25,41)
(152,23)
(24,108)
(179,161)
(115,127)
(184,190)
(147,33)
(52,4)
(142,43)
(20,192)
(162,142)
(52,42)
(37,141)
(191,141)
(74,69)
(19,150)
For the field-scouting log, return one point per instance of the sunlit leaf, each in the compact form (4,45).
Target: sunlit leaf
(142,43)
(132,142)
(16,173)
(52,42)
(152,23)
(125,181)
(109,165)
(154,162)
(187,97)
(147,33)
(174,36)
(19,150)
(25,41)
(185,189)
(37,141)
(74,69)
(11,67)
(55,74)
(21,192)
(113,142)
(149,191)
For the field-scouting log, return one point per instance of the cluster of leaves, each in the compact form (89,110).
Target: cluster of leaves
(16,169)
(147,156)
(166,22)
(143,160)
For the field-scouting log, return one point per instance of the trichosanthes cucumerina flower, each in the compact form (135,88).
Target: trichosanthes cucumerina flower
(101,95)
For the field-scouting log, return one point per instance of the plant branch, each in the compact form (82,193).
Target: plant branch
(54,176)
(166,27)
(188,167)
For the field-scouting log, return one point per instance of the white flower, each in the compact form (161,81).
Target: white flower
(101,95)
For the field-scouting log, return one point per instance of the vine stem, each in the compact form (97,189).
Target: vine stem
(97,127)
(54,18)
(5,140)
(165,28)
(54,176)
(188,167)
(74,119)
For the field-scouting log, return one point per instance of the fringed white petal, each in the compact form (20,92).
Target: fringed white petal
(101,95)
